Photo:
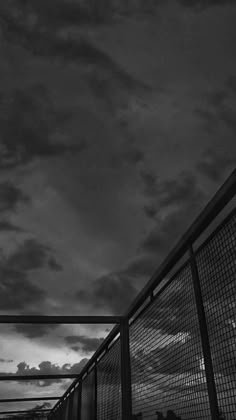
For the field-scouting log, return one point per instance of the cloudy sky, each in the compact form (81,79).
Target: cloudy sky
(113,136)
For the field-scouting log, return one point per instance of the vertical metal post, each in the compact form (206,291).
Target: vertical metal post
(79,414)
(126,390)
(211,387)
(95,391)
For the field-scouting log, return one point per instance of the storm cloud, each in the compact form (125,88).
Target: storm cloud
(84,343)
(112,293)
(17,291)
(27,126)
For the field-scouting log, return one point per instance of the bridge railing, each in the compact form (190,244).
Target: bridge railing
(173,354)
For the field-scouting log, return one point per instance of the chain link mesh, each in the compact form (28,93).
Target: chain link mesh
(168,377)
(109,385)
(75,403)
(88,397)
(216,262)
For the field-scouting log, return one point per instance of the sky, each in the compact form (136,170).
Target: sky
(114,134)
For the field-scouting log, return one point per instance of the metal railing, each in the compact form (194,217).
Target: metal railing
(173,354)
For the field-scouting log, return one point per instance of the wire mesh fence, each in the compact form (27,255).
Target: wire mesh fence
(216,261)
(88,397)
(109,385)
(166,354)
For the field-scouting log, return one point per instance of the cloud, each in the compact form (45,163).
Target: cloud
(108,81)
(10,196)
(32,255)
(113,292)
(6,226)
(47,368)
(27,125)
(220,107)
(17,292)
(215,165)
(203,4)
(6,360)
(231,84)
(54,265)
(142,266)
(34,331)
(173,193)
(87,344)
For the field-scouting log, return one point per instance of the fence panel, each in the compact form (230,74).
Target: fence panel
(216,261)
(75,404)
(168,377)
(88,397)
(109,384)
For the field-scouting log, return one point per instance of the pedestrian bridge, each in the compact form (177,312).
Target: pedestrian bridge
(173,354)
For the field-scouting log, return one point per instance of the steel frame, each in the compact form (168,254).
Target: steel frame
(41,319)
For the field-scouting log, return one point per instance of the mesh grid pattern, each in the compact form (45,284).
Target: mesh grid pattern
(109,385)
(88,397)
(168,376)
(75,405)
(216,262)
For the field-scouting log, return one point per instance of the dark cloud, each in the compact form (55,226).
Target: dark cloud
(113,292)
(54,265)
(109,82)
(129,155)
(27,123)
(10,196)
(215,165)
(160,240)
(32,255)
(115,89)
(47,368)
(218,109)
(172,205)
(34,331)
(179,193)
(231,84)
(202,4)
(17,292)
(6,226)
(87,344)
(142,266)
(217,98)
(6,360)
(57,13)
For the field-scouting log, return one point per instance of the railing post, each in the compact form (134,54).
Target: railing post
(126,391)
(211,387)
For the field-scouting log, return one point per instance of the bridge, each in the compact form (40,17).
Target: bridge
(172,355)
